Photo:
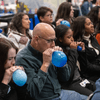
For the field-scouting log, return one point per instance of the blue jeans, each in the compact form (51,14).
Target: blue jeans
(70,95)
(96,95)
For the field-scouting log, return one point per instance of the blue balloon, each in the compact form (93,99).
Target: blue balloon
(19,77)
(0,30)
(59,58)
(65,22)
(79,48)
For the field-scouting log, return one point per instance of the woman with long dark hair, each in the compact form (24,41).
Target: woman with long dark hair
(83,30)
(65,12)
(7,60)
(94,15)
(18,30)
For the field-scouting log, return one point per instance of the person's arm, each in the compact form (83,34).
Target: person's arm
(91,5)
(3,90)
(73,56)
(64,73)
(86,65)
(69,69)
(4,87)
(72,60)
(84,8)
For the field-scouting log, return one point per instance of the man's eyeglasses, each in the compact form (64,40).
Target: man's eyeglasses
(48,40)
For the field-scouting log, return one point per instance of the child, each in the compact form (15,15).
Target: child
(65,40)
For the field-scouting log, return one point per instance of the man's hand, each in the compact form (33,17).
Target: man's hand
(47,57)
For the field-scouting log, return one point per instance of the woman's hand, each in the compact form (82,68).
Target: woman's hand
(82,45)
(58,21)
(8,74)
(75,44)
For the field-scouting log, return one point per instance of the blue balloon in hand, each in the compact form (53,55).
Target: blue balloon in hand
(19,77)
(79,48)
(59,58)
(65,22)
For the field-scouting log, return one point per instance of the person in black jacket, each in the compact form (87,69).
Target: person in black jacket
(7,59)
(65,40)
(83,30)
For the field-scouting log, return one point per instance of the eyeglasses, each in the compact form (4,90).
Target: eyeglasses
(50,15)
(48,40)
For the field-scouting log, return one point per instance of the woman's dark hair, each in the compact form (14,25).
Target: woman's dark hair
(42,11)
(60,33)
(16,23)
(5,45)
(63,11)
(78,28)
(93,15)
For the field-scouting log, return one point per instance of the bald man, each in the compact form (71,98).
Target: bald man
(42,76)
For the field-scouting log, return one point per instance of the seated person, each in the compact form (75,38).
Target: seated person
(66,41)
(7,60)
(94,16)
(83,30)
(43,76)
(18,30)
(45,15)
(65,11)
(86,7)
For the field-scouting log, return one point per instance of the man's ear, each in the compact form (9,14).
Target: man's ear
(41,18)
(36,39)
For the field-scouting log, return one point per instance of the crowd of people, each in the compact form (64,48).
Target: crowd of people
(78,79)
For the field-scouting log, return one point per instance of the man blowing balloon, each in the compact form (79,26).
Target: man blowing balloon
(42,76)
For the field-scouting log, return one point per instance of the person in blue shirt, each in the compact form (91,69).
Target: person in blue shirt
(86,7)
